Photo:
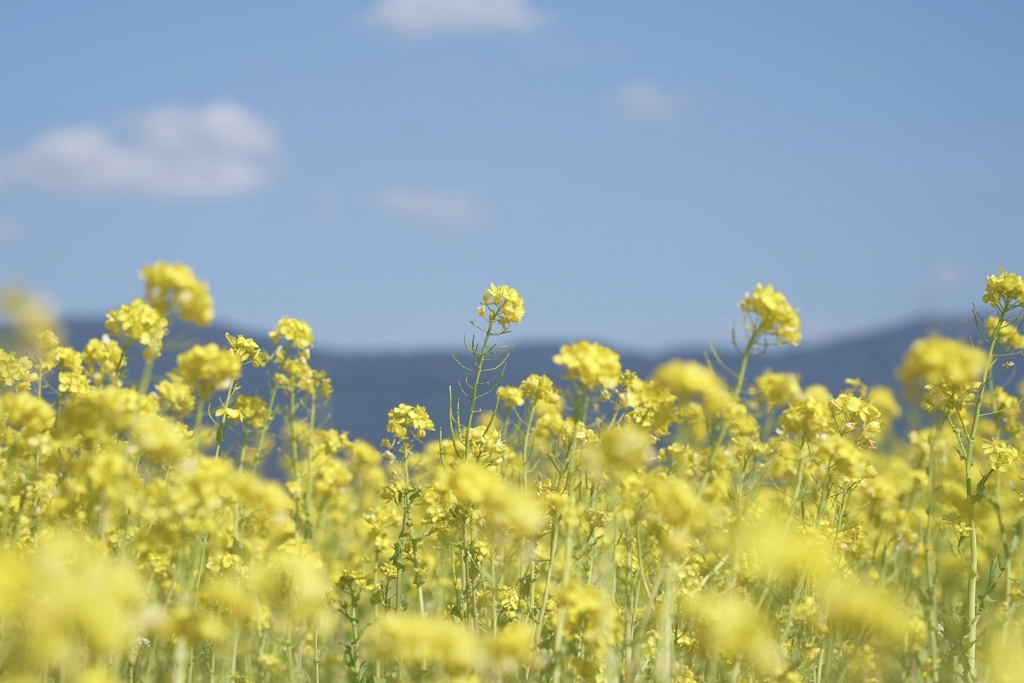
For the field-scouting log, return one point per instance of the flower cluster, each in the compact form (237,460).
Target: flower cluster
(503,305)
(139,322)
(591,364)
(771,315)
(173,289)
(1004,290)
(689,525)
(208,369)
(409,422)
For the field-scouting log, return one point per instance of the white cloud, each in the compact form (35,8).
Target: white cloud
(218,150)
(428,17)
(448,210)
(949,275)
(647,103)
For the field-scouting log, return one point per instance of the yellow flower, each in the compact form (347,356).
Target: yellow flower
(540,388)
(208,369)
(104,359)
(1008,333)
(622,448)
(30,314)
(247,350)
(292,583)
(417,641)
(676,501)
(16,372)
(474,485)
(139,322)
(856,607)
(28,414)
(173,287)
(732,628)
(176,395)
(590,363)
(590,615)
(502,305)
(296,333)
(809,419)
(1001,454)
(941,369)
(775,389)
(883,398)
(66,600)
(771,315)
(160,440)
(651,404)
(405,419)
(688,379)
(511,396)
(46,342)
(1004,290)
(100,415)
(253,410)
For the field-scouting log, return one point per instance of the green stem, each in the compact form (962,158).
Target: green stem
(972,578)
(147,375)
(200,406)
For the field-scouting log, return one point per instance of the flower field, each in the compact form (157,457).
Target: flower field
(696,525)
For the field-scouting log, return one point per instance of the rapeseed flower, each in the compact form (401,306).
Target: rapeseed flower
(502,305)
(30,315)
(1005,290)
(776,389)
(208,369)
(294,333)
(590,615)
(808,419)
(172,288)
(424,641)
(1000,454)
(1008,333)
(689,379)
(511,396)
(532,543)
(774,551)
(26,414)
(160,440)
(409,422)
(71,376)
(16,372)
(476,486)
(540,388)
(104,360)
(857,607)
(176,395)
(651,404)
(67,603)
(622,448)
(139,322)
(99,416)
(771,315)
(247,350)
(942,371)
(292,582)
(591,364)
(253,411)
(733,629)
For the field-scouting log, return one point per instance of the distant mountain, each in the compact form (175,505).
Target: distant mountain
(367,385)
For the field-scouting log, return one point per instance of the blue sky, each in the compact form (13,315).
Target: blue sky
(631,168)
